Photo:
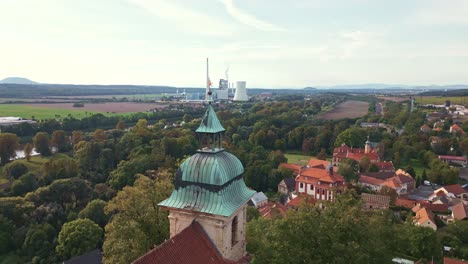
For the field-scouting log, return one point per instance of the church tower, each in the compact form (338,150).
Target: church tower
(367,147)
(210,190)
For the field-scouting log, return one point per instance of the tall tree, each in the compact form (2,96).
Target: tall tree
(77,136)
(120,125)
(59,140)
(132,233)
(339,233)
(99,135)
(94,210)
(41,143)
(78,237)
(28,148)
(8,144)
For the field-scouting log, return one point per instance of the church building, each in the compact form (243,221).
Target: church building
(207,209)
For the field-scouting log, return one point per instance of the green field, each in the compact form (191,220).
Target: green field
(441,100)
(39,113)
(297,158)
(33,166)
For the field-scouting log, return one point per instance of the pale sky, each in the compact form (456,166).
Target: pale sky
(268,43)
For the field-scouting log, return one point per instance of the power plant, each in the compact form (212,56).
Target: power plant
(241,92)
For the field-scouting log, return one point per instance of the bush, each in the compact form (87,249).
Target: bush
(15,169)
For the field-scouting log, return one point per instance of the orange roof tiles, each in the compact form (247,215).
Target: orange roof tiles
(423,215)
(408,203)
(310,175)
(294,167)
(460,211)
(392,183)
(271,209)
(322,164)
(370,180)
(301,199)
(191,245)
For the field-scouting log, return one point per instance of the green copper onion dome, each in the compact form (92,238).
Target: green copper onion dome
(211,180)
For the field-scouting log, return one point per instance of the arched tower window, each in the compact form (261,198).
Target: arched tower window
(234,231)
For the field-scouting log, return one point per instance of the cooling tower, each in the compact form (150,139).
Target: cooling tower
(241,92)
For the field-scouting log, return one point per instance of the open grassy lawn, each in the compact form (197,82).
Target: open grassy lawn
(39,113)
(33,166)
(439,100)
(417,166)
(297,158)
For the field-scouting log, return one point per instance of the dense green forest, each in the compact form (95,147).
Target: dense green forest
(108,173)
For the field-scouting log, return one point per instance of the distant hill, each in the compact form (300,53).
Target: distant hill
(17,80)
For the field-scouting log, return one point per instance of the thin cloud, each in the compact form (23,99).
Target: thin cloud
(191,20)
(248,19)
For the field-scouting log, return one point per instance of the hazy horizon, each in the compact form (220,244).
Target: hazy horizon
(269,44)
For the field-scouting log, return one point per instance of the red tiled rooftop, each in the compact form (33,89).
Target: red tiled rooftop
(318,174)
(408,203)
(294,167)
(460,211)
(301,199)
(438,208)
(455,189)
(322,164)
(192,245)
(447,157)
(370,180)
(454,261)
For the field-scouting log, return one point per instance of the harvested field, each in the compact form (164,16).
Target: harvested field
(113,107)
(348,109)
(394,98)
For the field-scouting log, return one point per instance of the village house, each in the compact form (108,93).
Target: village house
(400,181)
(385,166)
(345,152)
(425,218)
(287,186)
(454,129)
(300,199)
(454,159)
(258,200)
(272,210)
(425,129)
(435,141)
(321,184)
(450,191)
(375,201)
(460,211)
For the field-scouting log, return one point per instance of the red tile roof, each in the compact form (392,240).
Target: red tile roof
(460,211)
(408,203)
(271,210)
(316,163)
(192,245)
(318,174)
(294,167)
(454,261)
(455,189)
(301,199)
(438,208)
(370,180)
(423,215)
(456,127)
(384,165)
(448,157)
